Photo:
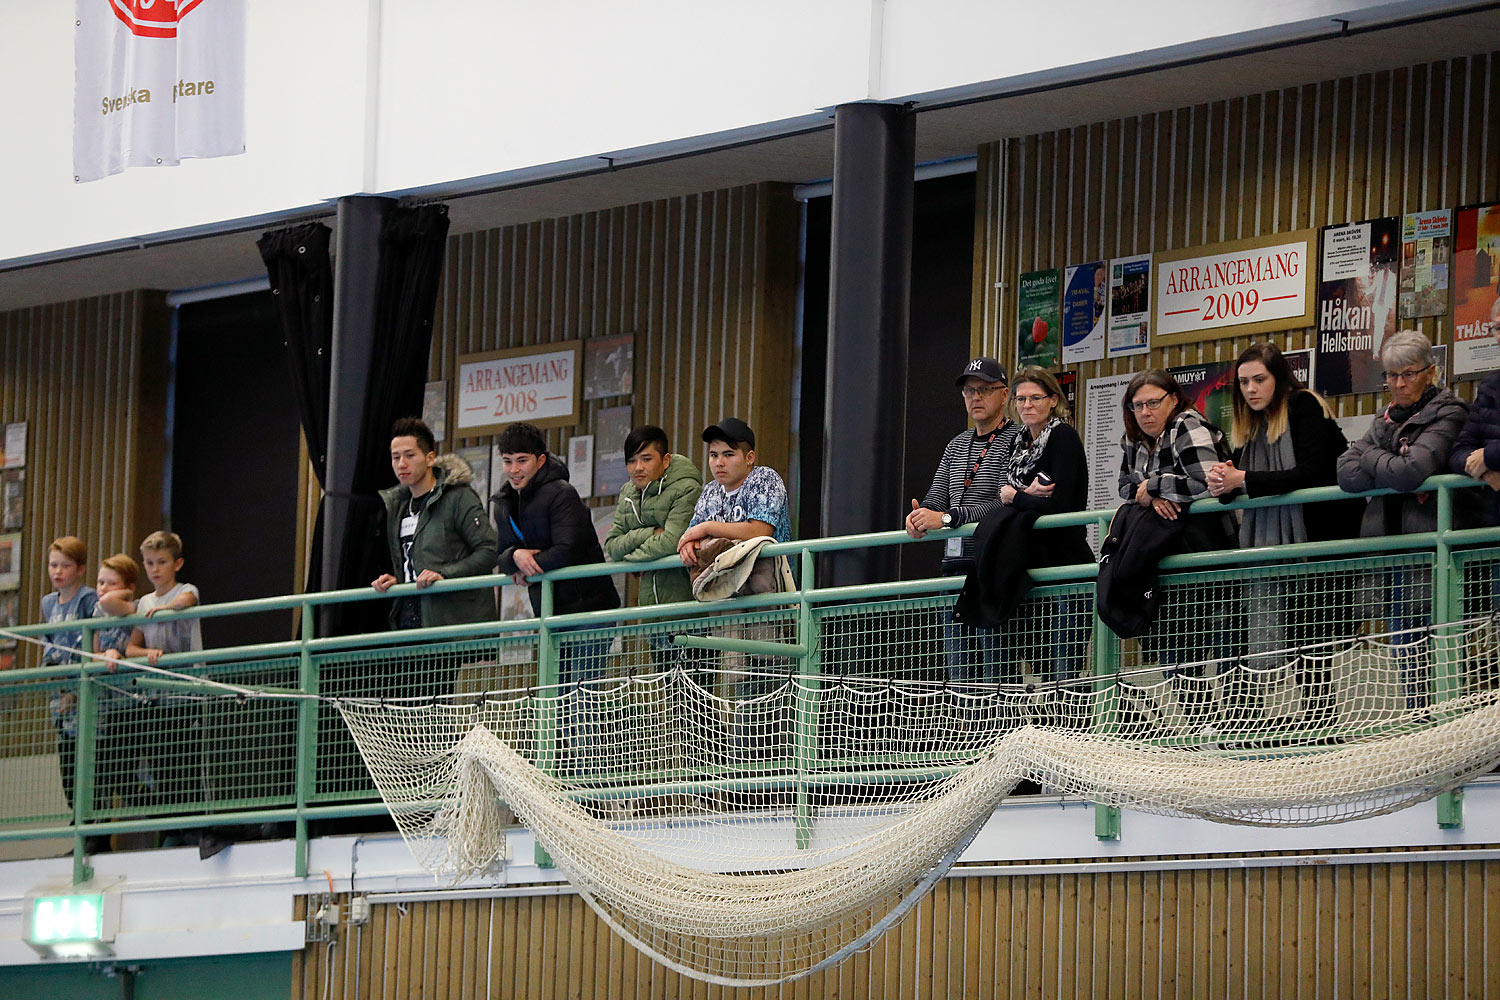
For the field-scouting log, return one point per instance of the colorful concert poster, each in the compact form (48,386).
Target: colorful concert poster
(1209,388)
(1476,254)
(1129,305)
(1084,308)
(1039,339)
(1357,303)
(1426,252)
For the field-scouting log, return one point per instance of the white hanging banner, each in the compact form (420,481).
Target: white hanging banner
(155,82)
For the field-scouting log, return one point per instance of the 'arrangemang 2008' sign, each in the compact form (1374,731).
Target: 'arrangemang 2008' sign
(1261,284)
(538,384)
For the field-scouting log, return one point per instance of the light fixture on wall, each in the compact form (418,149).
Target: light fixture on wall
(78,921)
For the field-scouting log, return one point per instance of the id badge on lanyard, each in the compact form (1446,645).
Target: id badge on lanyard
(953,548)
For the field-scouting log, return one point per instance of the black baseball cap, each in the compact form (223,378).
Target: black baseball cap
(730,429)
(984,369)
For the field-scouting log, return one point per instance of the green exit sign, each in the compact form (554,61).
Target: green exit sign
(67,918)
(78,924)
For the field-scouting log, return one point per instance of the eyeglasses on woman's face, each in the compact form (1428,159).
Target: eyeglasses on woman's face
(1142,405)
(1392,378)
(1031,400)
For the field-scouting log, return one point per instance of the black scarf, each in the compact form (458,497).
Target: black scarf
(1401,414)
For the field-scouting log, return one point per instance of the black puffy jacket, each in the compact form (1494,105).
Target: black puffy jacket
(550,517)
(1482,430)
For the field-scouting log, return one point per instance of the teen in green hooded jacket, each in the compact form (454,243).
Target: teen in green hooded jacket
(653,512)
(437,530)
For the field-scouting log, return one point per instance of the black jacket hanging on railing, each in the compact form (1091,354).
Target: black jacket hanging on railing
(1005,545)
(1126,593)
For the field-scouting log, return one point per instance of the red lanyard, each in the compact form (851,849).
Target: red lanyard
(972,472)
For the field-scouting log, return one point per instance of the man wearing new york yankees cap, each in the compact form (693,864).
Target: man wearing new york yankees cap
(974,466)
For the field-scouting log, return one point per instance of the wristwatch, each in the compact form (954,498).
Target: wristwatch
(947,519)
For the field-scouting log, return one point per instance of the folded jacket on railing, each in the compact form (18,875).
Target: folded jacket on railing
(727,568)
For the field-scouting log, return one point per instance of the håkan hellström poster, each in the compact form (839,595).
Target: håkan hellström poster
(1357,295)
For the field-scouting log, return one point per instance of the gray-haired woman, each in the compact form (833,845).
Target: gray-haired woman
(1407,441)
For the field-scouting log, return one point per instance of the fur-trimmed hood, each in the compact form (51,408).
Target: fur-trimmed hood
(456,471)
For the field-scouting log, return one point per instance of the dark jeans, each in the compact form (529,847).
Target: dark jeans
(974,654)
(581,710)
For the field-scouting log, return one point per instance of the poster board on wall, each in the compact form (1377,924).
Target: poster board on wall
(581,464)
(1130,306)
(1237,288)
(609,367)
(1476,276)
(611,428)
(435,409)
(1039,327)
(1085,310)
(1426,263)
(1103,426)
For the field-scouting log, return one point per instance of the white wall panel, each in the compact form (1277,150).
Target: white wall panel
(470,88)
(304,129)
(930,45)
(393,95)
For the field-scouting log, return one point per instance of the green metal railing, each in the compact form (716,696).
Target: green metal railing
(271,760)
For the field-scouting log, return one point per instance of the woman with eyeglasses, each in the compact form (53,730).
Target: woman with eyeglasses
(1168,449)
(1049,475)
(1407,441)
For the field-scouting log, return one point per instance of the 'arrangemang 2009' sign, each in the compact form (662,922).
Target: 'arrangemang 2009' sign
(1263,284)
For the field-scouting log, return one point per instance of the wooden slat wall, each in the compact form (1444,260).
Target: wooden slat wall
(1419,929)
(1381,144)
(89,378)
(706,282)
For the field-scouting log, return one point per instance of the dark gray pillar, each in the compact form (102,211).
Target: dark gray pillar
(356,264)
(869,300)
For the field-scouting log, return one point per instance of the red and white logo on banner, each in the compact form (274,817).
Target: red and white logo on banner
(152,18)
(153,86)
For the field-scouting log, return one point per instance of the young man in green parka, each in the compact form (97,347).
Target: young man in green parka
(654,510)
(437,529)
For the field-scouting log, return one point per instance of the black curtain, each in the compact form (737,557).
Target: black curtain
(412,242)
(301,273)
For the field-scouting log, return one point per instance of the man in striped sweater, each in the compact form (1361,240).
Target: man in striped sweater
(975,465)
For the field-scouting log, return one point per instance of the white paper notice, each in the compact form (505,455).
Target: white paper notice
(1104,425)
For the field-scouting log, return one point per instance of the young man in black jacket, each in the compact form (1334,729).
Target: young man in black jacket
(543,524)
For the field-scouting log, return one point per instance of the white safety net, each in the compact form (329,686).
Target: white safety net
(751,827)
